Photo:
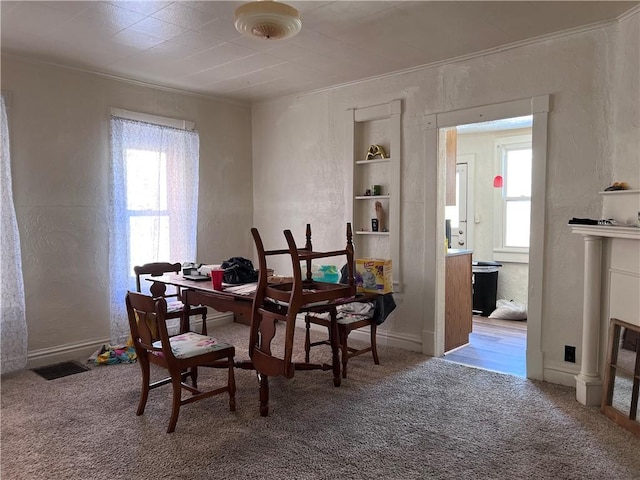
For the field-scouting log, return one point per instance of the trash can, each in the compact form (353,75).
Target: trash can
(485,286)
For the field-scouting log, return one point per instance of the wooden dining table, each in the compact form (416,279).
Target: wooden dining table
(202,293)
(226,300)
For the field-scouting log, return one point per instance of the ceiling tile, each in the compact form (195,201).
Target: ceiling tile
(145,7)
(315,60)
(198,40)
(109,15)
(179,13)
(219,9)
(293,69)
(287,51)
(136,39)
(220,55)
(221,28)
(157,28)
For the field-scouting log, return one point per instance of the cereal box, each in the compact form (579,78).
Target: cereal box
(373,275)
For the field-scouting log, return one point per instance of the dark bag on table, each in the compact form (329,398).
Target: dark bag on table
(239,270)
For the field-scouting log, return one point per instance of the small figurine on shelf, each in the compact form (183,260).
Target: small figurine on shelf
(380,217)
(374,151)
(617,186)
(367,193)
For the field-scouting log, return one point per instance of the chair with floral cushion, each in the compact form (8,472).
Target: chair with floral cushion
(181,355)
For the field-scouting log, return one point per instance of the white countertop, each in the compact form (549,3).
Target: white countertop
(458,251)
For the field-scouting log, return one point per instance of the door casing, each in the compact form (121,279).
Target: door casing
(433,321)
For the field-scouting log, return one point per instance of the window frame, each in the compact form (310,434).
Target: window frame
(170,172)
(502,252)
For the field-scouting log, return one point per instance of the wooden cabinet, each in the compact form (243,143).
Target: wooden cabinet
(458,299)
(366,127)
(451,156)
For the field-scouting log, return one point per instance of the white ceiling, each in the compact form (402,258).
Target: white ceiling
(194,46)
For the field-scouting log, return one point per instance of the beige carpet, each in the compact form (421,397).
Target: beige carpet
(413,417)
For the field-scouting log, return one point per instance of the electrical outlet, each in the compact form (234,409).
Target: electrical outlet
(569,354)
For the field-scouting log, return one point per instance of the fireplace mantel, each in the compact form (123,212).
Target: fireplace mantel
(589,381)
(607,231)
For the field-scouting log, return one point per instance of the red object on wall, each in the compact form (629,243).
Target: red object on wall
(497,181)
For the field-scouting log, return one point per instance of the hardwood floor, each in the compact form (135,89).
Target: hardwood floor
(498,345)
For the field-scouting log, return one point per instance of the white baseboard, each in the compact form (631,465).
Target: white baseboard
(561,373)
(214,320)
(63,353)
(81,351)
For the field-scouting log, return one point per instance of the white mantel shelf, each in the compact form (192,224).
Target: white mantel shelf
(609,231)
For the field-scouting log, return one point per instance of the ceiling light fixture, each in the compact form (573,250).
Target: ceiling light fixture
(267,20)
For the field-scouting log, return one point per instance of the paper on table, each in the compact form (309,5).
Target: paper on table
(206,269)
(244,289)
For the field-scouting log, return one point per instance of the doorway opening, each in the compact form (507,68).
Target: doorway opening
(434,321)
(491,218)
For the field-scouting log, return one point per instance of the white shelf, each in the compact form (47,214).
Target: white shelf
(371,197)
(373,160)
(618,192)
(367,232)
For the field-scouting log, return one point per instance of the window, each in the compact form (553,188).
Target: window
(153,201)
(146,184)
(513,204)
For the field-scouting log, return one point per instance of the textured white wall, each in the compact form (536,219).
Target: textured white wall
(303,137)
(624,98)
(59,128)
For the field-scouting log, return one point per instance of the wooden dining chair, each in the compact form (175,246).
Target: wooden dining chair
(175,306)
(181,355)
(347,323)
(279,304)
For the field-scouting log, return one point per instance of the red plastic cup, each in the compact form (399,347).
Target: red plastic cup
(216,278)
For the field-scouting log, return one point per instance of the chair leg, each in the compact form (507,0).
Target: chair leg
(334,341)
(307,340)
(231,381)
(374,346)
(194,377)
(204,324)
(263,381)
(176,380)
(344,334)
(146,378)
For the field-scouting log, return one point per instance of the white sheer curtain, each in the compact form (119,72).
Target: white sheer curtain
(153,204)
(13,323)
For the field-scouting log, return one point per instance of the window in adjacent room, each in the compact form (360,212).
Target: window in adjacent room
(513,200)
(153,200)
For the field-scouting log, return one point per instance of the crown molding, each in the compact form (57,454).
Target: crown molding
(470,56)
(130,81)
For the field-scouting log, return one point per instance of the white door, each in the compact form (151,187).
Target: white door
(460,235)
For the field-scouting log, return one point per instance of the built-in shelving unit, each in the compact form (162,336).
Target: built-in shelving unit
(376,125)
